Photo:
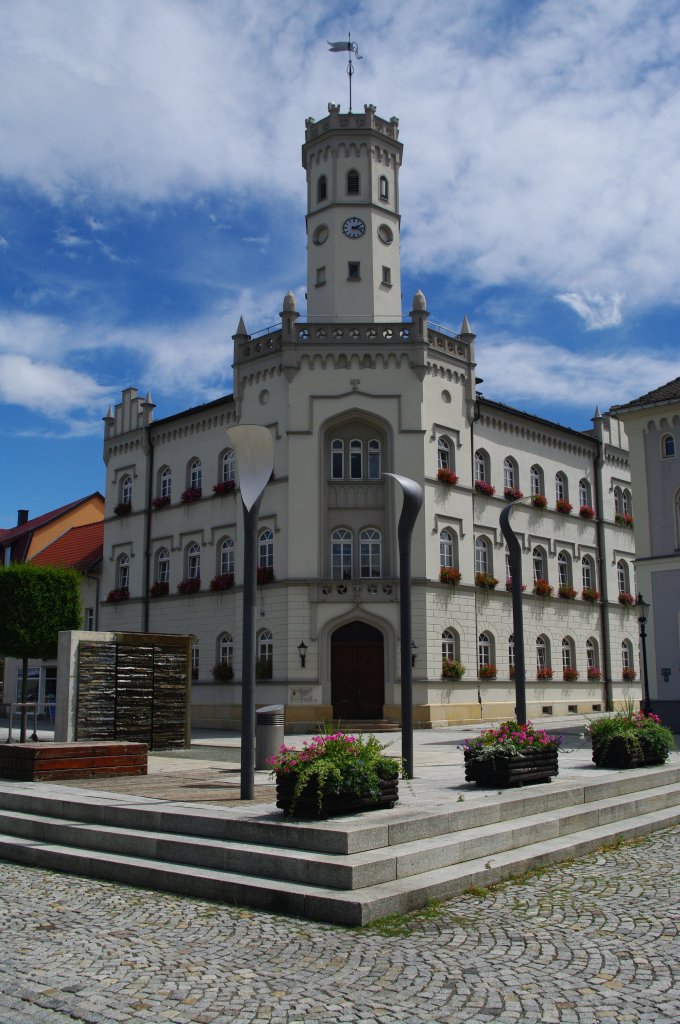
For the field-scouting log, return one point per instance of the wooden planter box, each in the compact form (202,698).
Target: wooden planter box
(624,752)
(42,762)
(501,772)
(307,806)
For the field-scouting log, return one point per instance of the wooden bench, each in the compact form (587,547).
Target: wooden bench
(43,762)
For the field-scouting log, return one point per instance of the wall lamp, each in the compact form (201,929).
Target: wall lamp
(302,651)
(414,652)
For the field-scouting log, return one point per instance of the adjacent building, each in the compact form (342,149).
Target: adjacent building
(349,393)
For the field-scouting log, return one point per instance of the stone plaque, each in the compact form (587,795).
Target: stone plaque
(304,694)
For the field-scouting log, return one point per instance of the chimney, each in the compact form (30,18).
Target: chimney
(22,516)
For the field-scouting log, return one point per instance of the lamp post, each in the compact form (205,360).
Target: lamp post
(643,612)
(302,651)
(517,615)
(413,499)
(254,450)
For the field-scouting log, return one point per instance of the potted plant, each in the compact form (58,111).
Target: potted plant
(539,501)
(451,576)
(161,502)
(190,586)
(629,675)
(123,508)
(594,673)
(563,506)
(484,488)
(512,493)
(224,487)
(589,594)
(223,672)
(222,582)
(447,476)
(485,581)
(567,592)
(335,774)
(508,584)
(487,672)
(586,512)
(542,588)
(623,519)
(119,594)
(630,739)
(626,598)
(511,755)
(159,589)
(452,668)
(570,675)
(190,495)
(545,672)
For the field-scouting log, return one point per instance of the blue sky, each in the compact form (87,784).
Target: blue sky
(151,192)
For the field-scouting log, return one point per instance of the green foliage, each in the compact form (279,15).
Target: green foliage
(509,740)
(631,735)
(36,602)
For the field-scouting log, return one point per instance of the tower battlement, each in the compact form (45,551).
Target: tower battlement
(352,121)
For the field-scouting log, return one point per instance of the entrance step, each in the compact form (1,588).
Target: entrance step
(365,726)
(349,870)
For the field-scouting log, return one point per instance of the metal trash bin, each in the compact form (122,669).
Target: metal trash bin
(268,734)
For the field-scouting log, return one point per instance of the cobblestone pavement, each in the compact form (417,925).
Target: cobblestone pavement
(589,942)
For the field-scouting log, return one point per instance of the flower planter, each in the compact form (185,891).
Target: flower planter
(307,804)
(502,772)
(620,752)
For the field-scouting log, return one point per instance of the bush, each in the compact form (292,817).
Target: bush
(629,738)
(452,668)
(510,740)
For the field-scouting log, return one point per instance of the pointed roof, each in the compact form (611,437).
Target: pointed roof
(17,532)
(669,392)
(81,548)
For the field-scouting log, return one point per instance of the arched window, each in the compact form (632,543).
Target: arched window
(588,573)
(355,459)
(321,189)
(626,502)
(482,555)
(508,572)
(225,649)
(564,569)
(165,488)
(370,553)
(561,492)
(384,188)
(584,493)
(265,654)
(123,572)
(193,562)
(509,473)
(592,654)
(622,577)
(228,468)
(447,550)
(627,657)
(226,565)
(481,466)
(195,474)
(568,656)
(511,652)
(450,645)
(352,183)
(337,459)
(341,554)
(667,446)
(443,454)
(484,650)
(265,550)
(374,459)
(163,566)
(536,475)
(542,654)
(126,490)
(538,559)
(618,502)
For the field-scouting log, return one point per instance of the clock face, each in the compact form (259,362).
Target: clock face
(354,227)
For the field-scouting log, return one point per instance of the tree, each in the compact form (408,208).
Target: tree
(36,602)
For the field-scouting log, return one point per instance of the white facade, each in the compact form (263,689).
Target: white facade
(348,398)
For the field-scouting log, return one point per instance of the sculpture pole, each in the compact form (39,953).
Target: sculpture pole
(517,614)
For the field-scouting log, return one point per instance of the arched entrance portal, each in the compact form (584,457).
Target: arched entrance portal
(357,671)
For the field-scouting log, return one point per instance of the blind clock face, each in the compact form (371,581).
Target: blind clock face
(354,227)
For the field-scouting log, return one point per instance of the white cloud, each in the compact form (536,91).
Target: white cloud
(597,311)
(45,388)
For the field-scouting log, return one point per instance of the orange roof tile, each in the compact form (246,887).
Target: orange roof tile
(81,548)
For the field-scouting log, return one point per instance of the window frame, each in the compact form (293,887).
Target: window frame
(342,553)
(370,553)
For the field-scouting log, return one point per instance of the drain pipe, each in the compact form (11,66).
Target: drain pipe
(598,470)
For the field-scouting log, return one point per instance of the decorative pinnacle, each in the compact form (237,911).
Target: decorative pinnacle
(465,326)
(419,301)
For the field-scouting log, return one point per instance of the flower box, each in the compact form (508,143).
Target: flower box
(265,575)
(594,674)
(190,495)
(539,501)
(626,598)
(447,476)
(588,594)
(159,589)
(508,584)
(629,674)
(119,594)
(222,582)
(623,519)
(570,675)
(567,592)
(451,576)
(485,581)
(586,512)
(225,487)
(223,671)
(189,586)
(563,506)
(161,502)
(511,755)
(264,668)
(124,508)
(487,672)
(512,493)
(452,668)
(484,488)
(544,673)
(542,588)
(630,740)
(307,804)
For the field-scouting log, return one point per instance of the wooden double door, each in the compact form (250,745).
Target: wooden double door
(357,671)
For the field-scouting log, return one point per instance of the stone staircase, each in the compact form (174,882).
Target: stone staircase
(349,870)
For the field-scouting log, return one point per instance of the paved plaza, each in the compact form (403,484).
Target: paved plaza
(587,942)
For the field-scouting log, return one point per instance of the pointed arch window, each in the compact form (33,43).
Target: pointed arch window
(592,654)
(322,189)
(626,502)
(126,490)
(542,653)
(337,459)
(443,454)
(584,493)
(561,493)
(265,550)
(370,553)
(163,566)
(123,572)
(196,474)
(536,477)
(538,559)
(353,183)
(481,466)
(667,446)
(384,188)
(564,569)
(568,658)
(618,501)
(588,572)
(166,483)
(265,654)
(356,459)
(228,469)
(341,554)
(226,565)
(622,577)
(509,473)
(225,650)
(193,562)
(446,550)
(374,459)
(627,656)
(484,650)
(450,645)
(482,555)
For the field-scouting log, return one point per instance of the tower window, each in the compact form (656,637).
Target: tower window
(353,271)
(320,276)
(352,183)
(387,277)
(384,190)
(321,189)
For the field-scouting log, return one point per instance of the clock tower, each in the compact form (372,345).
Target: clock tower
(353,269)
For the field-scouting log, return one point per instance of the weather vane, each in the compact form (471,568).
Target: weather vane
(343,47)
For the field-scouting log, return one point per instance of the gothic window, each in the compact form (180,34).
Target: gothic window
(509,473)
(123,572)
(384,188)
(446,550)
(165,490)
(508,572)
(482,555)
(561,493)
(228,469)
(195,474)
(370,552)
(374,459)
(622,577)
(225,649)
(443,454)
(450,645)
(484,650)
(356,459)
(265,654)
(265,550)
(626,502)
(226,557)
(627,655)
(126,490)
(592,654)
(193,562)
(564,569)
(481,466)
(542,652)
(536,476)
(163,566)
(511,650)
(321,189)
(341,554)
(568,659)
(667,446)
(337,459)
(584,493)
(352,183)
(588,572)
(538,559)
(618,501)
